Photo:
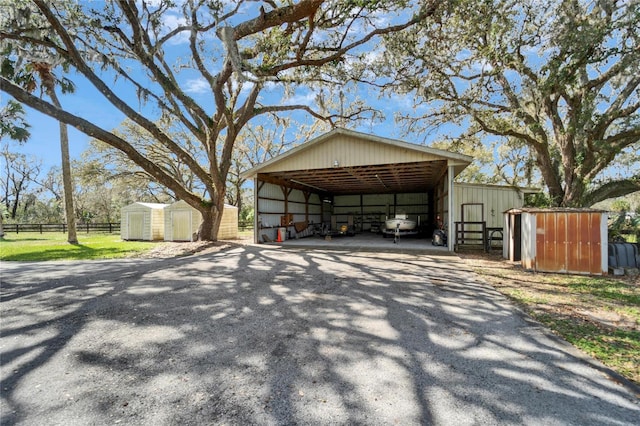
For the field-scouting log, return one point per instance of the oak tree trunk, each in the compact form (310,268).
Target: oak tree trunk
(211,218)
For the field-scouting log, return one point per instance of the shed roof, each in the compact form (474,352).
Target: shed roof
(148,205)
(524,190)
(553,210)
(182,204)
(347,162)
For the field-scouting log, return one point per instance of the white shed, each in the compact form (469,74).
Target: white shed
(229,224)
(181,222)
(142,221)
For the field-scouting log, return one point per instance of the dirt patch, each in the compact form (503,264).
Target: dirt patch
(170,249)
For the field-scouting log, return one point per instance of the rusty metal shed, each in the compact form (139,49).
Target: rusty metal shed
(557,240)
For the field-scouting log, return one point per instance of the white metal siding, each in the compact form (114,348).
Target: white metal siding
(181,221)
(136,225)
(271,206)
(349,151)
(315,208)
(296,196)
(528,244)
(495,200)
(142,221)
(229,223)
(346,200)
(377,199)
(270,190)
(181,225)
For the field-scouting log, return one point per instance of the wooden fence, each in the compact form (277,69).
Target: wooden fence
(245,225)
(60,227)
(82,227)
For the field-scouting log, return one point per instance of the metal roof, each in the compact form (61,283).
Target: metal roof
(148,205)
(554,210)
(368,164)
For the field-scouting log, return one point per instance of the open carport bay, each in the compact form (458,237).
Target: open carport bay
(269,335)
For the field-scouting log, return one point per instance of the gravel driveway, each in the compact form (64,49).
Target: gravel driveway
(264,335)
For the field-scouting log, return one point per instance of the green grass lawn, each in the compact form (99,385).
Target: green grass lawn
(53,246)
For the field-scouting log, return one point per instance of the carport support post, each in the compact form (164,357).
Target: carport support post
(256,212)
(306,194)
(450,219)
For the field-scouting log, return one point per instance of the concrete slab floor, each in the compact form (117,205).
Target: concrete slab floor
(365,241)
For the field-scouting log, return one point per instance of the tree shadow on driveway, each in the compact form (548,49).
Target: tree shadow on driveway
(255,335)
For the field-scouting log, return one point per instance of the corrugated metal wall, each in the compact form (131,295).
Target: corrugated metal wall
(348,151)
(157,224)
(149,221)
(229,223)
(271,206)
(367,209)
(565,241)
(375,208)
(496,201)
(185,217)
(364,210)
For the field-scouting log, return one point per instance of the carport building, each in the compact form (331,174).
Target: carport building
(351,180)
(347,177)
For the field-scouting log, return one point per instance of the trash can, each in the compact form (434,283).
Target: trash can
(439,238)
(623,255)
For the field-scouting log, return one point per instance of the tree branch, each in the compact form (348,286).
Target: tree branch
(612,189)
(92,130)
(76,58)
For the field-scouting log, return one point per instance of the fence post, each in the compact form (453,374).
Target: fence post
(17,228)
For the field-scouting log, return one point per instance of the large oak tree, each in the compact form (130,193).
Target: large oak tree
(560,78)
(240,51)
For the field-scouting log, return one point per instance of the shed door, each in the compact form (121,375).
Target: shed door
(135,225)
(516,237)
(181,225)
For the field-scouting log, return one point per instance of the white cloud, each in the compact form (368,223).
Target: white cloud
(171,22)
(198,86)
(308,98)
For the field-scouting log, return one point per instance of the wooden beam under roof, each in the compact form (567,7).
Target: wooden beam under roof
(370,179)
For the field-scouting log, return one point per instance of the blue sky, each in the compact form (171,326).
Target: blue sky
(45,143)
(87,103)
